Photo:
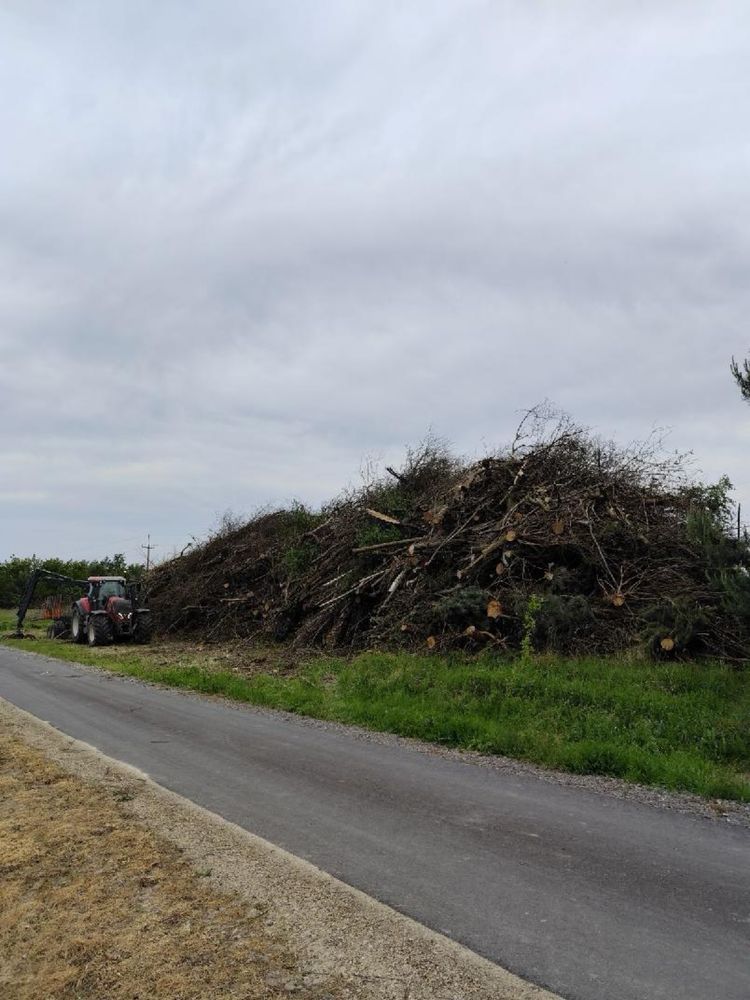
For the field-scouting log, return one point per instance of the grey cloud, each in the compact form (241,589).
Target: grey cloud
(243,245)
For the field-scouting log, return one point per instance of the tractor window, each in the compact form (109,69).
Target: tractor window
(111,588)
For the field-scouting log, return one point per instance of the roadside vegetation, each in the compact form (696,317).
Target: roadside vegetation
(682,726)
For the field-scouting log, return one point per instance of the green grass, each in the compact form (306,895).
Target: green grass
(679,726)
(7,620)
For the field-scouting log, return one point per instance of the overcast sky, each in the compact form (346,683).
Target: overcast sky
(245,244)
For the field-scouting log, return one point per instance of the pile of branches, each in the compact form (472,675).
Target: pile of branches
(559,543)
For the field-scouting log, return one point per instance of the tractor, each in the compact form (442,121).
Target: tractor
(108,611)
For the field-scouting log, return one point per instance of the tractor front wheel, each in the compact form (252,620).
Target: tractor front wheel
(99,632)
(77,631)
(142,631)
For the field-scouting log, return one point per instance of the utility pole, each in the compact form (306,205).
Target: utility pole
(148,548)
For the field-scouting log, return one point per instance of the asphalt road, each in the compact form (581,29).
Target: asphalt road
(591,896)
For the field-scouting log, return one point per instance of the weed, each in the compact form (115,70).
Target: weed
(533,607)
(122,795)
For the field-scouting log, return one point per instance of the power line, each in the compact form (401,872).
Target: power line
(148,548)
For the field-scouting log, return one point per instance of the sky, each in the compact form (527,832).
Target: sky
(248,246)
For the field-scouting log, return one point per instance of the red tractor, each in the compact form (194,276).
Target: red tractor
(109,610)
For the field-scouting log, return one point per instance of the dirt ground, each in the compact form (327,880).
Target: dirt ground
(244,658)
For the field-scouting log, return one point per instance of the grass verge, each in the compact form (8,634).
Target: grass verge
(679,726)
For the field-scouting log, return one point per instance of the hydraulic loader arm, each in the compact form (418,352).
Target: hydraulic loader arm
(28,597)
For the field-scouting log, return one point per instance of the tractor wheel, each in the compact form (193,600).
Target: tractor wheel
(57,629)
(142,631)
(77,631)
(99,631)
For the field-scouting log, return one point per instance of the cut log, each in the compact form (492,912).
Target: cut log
(387,545)
(494,609)
(486,551)
(431,641)
(379,516)
(435,517)
(667,644)
(395,584)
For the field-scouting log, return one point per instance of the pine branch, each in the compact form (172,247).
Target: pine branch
(742,377)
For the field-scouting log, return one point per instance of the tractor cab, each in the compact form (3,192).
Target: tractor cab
(103,587)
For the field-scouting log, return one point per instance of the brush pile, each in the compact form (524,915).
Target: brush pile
(560,543)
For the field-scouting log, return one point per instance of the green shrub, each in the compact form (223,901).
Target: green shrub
(559,620)
(531,613)
(466,605)
(297,558)
(374,533)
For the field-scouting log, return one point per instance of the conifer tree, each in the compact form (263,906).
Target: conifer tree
(742,377)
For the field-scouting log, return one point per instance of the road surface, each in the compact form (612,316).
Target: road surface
(592,896)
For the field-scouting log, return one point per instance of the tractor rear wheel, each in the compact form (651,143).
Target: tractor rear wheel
(77,631)
(142,632)
(99,632)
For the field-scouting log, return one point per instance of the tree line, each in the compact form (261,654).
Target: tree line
(15,573)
